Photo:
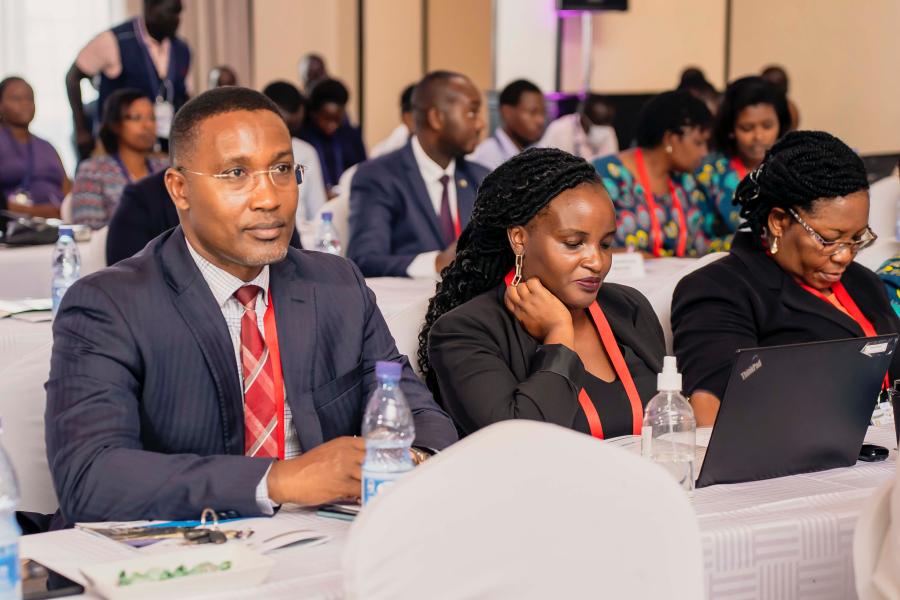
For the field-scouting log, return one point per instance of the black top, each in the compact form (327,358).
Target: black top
(746,300)
(488,368)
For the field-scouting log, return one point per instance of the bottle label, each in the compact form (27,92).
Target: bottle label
(376,482)
(9,567)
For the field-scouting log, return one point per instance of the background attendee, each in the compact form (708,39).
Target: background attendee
(221,76)
(338,143)
(122,57)
(408,207)
(778,77)
(128,133)
(587,133)
(400,135)
(32,179)
(525,349)
(791,278)
(165,396)
(693,80)
(292,105)
(752,116)
(659,208)
(311,69)
(890,272)
(523,115)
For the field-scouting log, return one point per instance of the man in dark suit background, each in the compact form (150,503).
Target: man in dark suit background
(408,207)
(165,392)
(144,212)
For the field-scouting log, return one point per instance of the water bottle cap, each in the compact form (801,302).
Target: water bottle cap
(66,230)
(326,217)
(388,370)
(670,379)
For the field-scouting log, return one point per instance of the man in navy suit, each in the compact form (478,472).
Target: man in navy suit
(219,367)
(407,208)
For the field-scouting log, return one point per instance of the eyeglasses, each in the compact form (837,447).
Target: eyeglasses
(238,180)
(831,248)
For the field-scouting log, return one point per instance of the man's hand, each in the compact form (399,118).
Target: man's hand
(446,257)
(326,473)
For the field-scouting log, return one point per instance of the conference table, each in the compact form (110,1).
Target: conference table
(782,538)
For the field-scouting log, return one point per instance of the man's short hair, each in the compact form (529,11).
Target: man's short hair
(214,102)
(326,91)
(430,92)
(406,98)
(286,95)
(512,93)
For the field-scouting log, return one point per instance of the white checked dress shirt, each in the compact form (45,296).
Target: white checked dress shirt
(223,285)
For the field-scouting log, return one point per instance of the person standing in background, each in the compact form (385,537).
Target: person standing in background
(311,70)
(32,179)
(587,133)
(777,76)
(400,135)
(142,53)
(338,143)
(128,133)
(292,105)
(523,115)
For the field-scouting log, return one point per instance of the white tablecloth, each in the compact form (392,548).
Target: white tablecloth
(777,539)
(25,271)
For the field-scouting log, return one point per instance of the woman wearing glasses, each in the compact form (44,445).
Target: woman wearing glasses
(790,276)
(128,133)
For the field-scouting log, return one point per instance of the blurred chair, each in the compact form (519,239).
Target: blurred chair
(22,405)
(93,254)
(527,510)
(876,546)
(340,210)
(661,298)
(884,195)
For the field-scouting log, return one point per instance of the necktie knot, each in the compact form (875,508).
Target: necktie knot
(445,179)
(247,296)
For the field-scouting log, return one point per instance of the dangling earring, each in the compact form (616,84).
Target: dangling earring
(669,149)
(774,246)
(517,278)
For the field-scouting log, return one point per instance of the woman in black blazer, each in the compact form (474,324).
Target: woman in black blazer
(522,325)
(790,276)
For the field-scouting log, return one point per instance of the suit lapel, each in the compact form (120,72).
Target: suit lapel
(466,187)
(197,306)
(295,319)
(419,192)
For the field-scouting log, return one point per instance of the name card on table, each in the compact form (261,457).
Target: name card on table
(627,265)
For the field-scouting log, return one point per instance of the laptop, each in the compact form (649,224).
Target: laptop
(796,409)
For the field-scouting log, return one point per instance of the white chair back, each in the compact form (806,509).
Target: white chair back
(661,296)
(527,510)
(65,209)
(405,326)
(22,405)
(884,195)
(876,547)
(93,254)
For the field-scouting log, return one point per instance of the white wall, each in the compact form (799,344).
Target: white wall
(525,42)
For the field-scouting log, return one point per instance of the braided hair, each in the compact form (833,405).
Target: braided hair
(802,167)
(511,195)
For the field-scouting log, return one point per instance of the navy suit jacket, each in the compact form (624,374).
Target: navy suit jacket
(392,219)
(145,211)
(144,414)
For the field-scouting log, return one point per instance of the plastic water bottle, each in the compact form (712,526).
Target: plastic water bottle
(389,432)
(66,265)
(10,574)
(327,239)
(669,434)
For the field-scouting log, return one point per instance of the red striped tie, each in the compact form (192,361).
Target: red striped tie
(260,418)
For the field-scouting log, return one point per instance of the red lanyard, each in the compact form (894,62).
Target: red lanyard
(843,297)
(277,377)
(738,166)
(456,226)
(618,362)
(656,230)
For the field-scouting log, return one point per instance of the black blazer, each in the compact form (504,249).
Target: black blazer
(392,219)
(144,415)
(145,211)
(745,300)
(488,368)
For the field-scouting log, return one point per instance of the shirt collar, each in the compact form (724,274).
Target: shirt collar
(223,284)
(507,147)
(431,171)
